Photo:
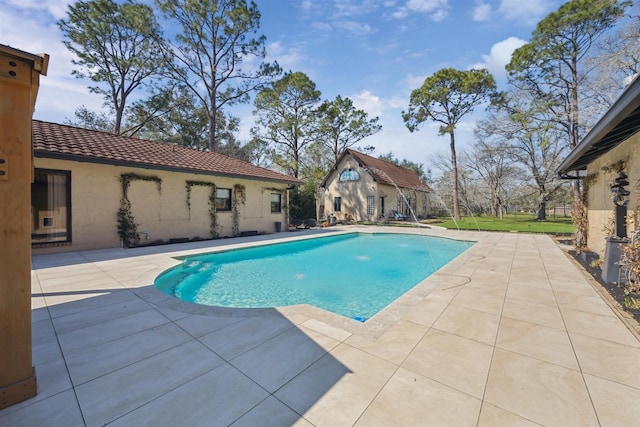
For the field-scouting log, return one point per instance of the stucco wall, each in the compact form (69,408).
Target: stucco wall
(600,201)
(354,195)
(164,215)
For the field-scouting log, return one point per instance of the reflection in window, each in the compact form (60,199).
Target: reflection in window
(51,206)
(276,202)
(337,204)
(371,205)
(349,175)
(223,199)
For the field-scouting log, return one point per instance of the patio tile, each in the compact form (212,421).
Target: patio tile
(541,342)
(326,329)
(273,363)
(94,361)
(110,396)
(427,311)
(545,393)
(492,416)
(99,314)
(482,298)
(45,349)
(337,388)
(42,329)
(215,398)
(528,311)
(271,413)
(411,399)
(109,330)
(531,294)
(594,325)
(395,344)
(616,404)
(244,335)
(78,301)
(467,323)
(446,358)
(606,359)
(591,303)
(199,325)
(60,410)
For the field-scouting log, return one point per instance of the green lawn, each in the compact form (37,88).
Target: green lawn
(522,223)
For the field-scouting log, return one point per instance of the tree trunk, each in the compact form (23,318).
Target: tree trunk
(454,179)
(213,146)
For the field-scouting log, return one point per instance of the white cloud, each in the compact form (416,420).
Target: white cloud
(414,82)
(481,11)
(435,9)
(529,11)
(57,8)
(288,59)
(355,27)
(369,103)
(499,56)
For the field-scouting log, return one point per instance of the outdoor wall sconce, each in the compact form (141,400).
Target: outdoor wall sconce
(620,199)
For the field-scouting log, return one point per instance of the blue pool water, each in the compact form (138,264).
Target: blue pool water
(354,275)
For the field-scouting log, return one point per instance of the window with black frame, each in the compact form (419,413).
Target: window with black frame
(223,199)
(337,204)
(51,206)
(276,202)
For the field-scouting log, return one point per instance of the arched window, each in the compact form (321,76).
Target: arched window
(349,175)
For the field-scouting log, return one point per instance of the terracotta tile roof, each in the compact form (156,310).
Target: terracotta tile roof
(388,173)
(52,140)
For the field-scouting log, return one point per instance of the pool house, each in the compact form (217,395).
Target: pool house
(96,190)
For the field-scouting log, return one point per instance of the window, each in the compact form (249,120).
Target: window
(349,175)
(371,205)
(223,199)
(337,204)
(276,202)
(51,206)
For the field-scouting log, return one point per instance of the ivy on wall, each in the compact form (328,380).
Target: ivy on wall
(580,213)
(213,215)
(127,226)
(239,199)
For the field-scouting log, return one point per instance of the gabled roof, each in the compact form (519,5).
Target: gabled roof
(55,141)
(384,172)
(620,122)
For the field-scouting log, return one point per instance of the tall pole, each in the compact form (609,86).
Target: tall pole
(19,81)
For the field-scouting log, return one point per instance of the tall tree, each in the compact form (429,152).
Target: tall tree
(341,125)
(116,45)
(285,118)
(548,66)
(523,127)
(447,97)
(215,39)
(490,160)
(616,58)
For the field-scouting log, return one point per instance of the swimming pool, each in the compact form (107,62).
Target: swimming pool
(354,275)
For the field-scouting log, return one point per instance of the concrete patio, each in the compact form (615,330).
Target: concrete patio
(510,333)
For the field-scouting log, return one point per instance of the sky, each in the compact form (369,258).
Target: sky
(372,51)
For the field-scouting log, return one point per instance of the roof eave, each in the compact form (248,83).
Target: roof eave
(626,104)
(85,159)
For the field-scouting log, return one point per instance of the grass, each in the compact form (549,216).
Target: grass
(520,223)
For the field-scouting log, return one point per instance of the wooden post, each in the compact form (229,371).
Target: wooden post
(19,82)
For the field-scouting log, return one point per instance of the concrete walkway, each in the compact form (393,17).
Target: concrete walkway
(509,333)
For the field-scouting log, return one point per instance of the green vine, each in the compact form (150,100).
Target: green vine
(127,226)
(580,214)
(213,215)
(239,199)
